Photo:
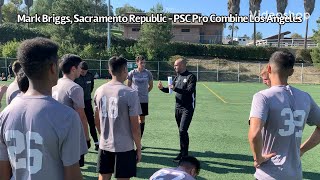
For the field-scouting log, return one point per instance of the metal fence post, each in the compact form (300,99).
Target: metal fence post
(158,70)
(259,72)
(301,73)
(100,67)
(6,65)
(238,71)
(218,72)
(198,70)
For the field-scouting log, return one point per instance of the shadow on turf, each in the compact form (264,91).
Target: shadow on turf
(211,166)
(152,156)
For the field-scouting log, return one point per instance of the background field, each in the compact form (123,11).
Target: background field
(218,133)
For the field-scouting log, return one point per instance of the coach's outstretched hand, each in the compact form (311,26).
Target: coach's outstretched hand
(160,85)
(262,159)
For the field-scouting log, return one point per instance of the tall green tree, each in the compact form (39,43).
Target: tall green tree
(234,9)
(296,36)
(42,7)
(155,37)
(17,3)
(10,12)
(254,8)
(126,9)
(316,33)
(308,8)
(281,8)
(1,4)
(258,36)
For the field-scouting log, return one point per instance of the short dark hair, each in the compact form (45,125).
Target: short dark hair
(189,162)
(36,55)
(140,57)
(116,64)
(68,61)
(283,61)
(23,81)
(84,65)
(16,66)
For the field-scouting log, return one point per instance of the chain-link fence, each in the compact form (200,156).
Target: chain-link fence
(206,70)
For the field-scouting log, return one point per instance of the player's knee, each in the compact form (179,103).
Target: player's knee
(142,119)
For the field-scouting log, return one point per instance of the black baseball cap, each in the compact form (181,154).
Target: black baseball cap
(84,65)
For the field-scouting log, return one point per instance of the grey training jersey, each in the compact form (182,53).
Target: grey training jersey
(40,136)
(140,83)
(12,92)
(116,103)
(68,93)
(171,174)
(284,110)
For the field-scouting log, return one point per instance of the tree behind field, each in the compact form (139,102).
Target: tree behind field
(296,36)
(155,37)
(120,11)
(258,36)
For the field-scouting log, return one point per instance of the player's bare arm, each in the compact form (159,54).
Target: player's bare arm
(311,142)
(72,172)
(84,122)
(255,140)
(5,170)
(97,120)
(150,85)
(136,133)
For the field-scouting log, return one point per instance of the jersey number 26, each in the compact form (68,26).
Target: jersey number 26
(19,146)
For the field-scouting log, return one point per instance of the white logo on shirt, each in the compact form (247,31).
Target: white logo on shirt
(277,160)
(185,80)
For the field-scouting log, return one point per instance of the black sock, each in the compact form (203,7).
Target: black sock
(142,128)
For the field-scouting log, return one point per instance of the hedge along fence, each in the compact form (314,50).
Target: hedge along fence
(224,51)
(129,48)
(10,32)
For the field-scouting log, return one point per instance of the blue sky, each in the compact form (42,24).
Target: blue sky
(219,7)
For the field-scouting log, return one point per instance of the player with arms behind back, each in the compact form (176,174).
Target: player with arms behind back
(117,110)
(39,137)
(277,119)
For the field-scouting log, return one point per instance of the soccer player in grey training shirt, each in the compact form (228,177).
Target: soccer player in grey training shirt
(69,93)
(39,137)
(13,89)
(117,108)
(141,80)
(277,119)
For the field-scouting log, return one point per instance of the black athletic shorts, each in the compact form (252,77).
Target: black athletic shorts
(144,109)
(81,161)
(123,164)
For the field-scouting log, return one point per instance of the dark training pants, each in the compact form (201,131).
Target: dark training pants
(90,116)
(183,119)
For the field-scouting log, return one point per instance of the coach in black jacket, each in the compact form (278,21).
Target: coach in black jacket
(86,81)
(184,84)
